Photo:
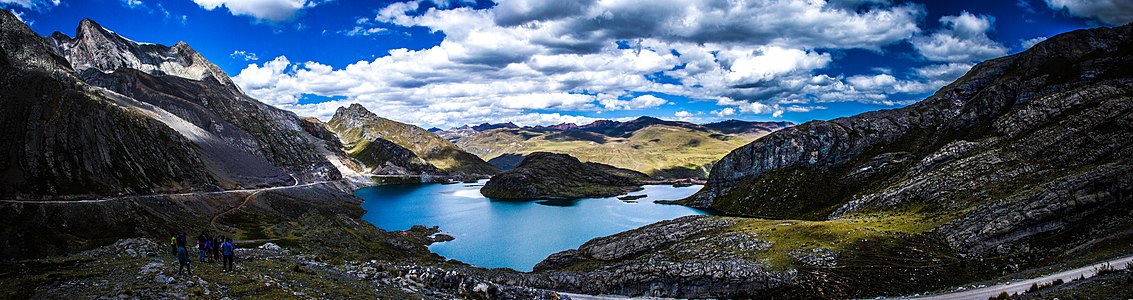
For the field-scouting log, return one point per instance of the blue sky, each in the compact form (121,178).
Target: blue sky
(448,63)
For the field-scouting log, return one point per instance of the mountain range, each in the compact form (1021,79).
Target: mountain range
(662,149)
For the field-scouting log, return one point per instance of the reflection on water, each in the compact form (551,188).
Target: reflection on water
(513,234)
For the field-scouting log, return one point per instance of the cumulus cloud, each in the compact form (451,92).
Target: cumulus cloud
(639,102)
(1028,43)
(263,10)
(520,59)
(724,113)
(963,39)
(31,4)
(1112,12)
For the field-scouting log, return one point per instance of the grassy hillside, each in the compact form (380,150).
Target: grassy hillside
(360,129)
(657,150)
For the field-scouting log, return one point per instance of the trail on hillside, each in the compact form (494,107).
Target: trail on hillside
(1021,286)
(248,199)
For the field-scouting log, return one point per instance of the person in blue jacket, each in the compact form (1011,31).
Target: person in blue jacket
(229,251)
(183,260)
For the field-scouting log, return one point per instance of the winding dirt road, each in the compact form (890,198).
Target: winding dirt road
(256,190)
(1022,285)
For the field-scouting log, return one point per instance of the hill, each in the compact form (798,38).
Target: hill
(390,147)
(544,175)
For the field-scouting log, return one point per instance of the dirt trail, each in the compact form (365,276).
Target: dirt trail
(248,199)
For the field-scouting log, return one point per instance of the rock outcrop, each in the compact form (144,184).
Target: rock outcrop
(544,175)
(389,147)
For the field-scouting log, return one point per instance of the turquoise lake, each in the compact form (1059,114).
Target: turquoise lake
(513,234)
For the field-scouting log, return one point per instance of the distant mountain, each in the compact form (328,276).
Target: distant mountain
(506,162)
(743,127)
(660,148)
(544,175)
(486,126)
(390,147)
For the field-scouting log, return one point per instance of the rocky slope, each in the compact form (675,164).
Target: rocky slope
(660,148)
(64,137)
(544,175)
(389,147)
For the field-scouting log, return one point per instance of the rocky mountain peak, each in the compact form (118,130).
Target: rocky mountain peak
(95,47)
(354,113)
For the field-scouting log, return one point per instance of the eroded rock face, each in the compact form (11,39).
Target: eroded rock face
(1021,146)
(544,175)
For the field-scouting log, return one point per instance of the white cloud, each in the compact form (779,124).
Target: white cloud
(639,102)
(963,39)
(32,4)
(363,31)
(244,55)
(1112,12)
(264,10)
(725,112)
(133,3)
(1028,43)
(520,59)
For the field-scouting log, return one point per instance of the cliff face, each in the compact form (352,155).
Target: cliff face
(394,148)
(544,175)
(1021,146)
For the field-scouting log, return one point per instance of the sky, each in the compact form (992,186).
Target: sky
(447,63)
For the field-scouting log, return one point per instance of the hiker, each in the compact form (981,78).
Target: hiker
(201,244)
(173,242)
(229,250)
(183,260)
(217,242)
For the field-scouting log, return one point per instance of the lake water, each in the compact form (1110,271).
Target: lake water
(513,234)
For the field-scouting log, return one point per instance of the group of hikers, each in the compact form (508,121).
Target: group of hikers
(209,248)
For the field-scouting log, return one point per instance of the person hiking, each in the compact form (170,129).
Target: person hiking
(183,260)
(201,244)
(173,243)
(217,242)
(229,250)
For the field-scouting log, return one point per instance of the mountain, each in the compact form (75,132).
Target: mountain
(507,162)
(544,175)
(391,147)
(662,149)
(742,127)
(486,126)
(88,115)
(1023,164)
